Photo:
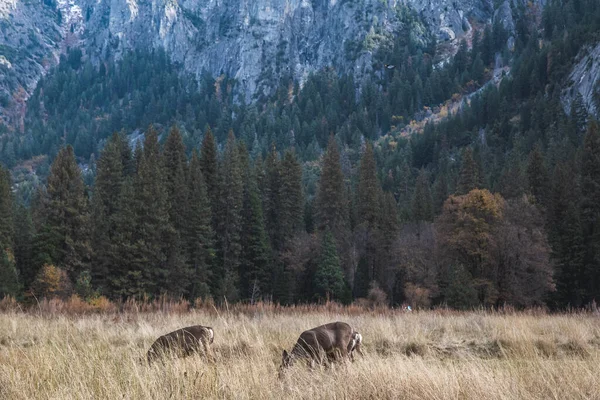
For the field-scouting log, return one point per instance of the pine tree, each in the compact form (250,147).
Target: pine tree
(537,176)
(564,224)
(441,192)
(388,233)
(422,209)
(404,189)
(6,210)
(368,205)
(127,155)
(273,197)
(590,208)
(175,163)
(152,224)
(513,180)
(331,206)
(67,218)
(329,278)
(368,189)
(133,276)
(256,275)
(229,217)
(199,233)
(175,180)
(292,199)
(105,207)
(477,69)
(210,170)
(23,240)
(441,187)
(469,178)
(9,277)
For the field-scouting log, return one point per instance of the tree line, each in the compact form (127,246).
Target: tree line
(224,225)
(492,205)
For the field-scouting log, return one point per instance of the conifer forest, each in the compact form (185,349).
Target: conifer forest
(464,183)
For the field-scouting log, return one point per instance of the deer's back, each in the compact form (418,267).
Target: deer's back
(184,340)
(335,335)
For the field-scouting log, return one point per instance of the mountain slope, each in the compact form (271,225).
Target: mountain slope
(255,43)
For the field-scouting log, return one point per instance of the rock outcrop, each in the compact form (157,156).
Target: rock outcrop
(584,79)
(256,42)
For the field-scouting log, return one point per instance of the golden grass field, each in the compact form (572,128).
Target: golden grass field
(421,355)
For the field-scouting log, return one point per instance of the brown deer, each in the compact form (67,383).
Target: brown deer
(325,343)
(183,342)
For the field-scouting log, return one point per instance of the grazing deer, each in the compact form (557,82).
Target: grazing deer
(355,344)
(330,342)
(183,342)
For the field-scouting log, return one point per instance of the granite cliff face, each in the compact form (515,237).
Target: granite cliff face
(255,42)
(33,34)
(245,39)
(584,81)
(27,50)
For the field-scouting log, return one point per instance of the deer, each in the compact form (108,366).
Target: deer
(326,343)
(183,342)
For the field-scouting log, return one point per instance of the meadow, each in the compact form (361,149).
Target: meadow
(51,354)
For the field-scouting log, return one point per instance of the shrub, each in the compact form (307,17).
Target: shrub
(377,297)
(51,282)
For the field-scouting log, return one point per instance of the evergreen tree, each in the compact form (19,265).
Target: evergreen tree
(537,176)
(105,208)
(6,210)
(133,276)
(331,205)
(469,178)
(283,196)
(368,189)
(175,163)
(564,224)
(272,193)
(512,182)
(422,209)
(441,189)
(329,278)
(292,199)
(175,180)
(210,171)
(152,223)
(199,233)
(67,218)
(9,277)
(229,217)
(369,195)
(590,208)
(256,275)
(23,241)
(388,232)
(477,69)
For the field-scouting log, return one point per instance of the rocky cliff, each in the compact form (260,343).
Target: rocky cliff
(255,42)
(245,39)
(584,80)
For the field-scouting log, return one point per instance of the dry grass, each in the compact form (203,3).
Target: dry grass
(422,355)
